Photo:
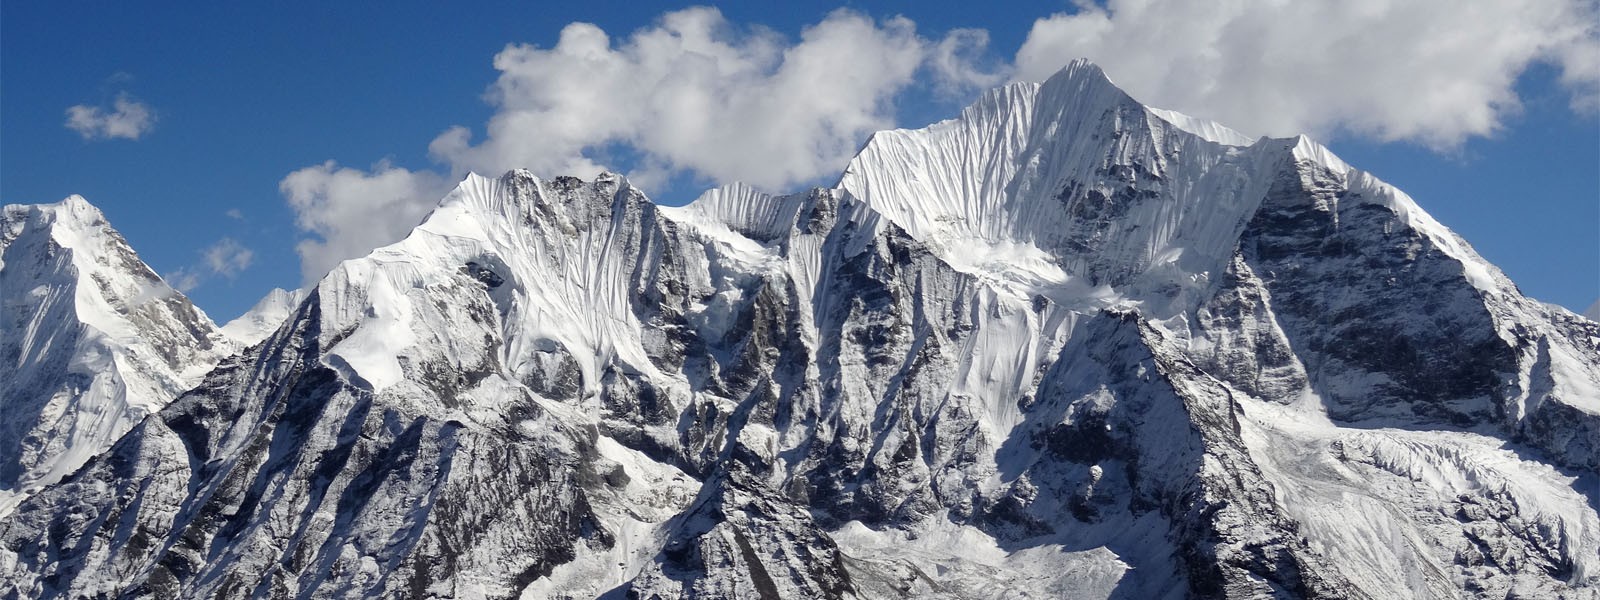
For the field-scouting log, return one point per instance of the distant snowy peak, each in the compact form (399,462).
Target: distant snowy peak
(552,253)
(98,339)
(1072,191)
(265,317)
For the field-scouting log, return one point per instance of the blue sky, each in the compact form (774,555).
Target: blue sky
(239,97)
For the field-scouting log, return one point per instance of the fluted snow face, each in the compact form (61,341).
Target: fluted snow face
(1068,189)
(93,341)
(1062,345)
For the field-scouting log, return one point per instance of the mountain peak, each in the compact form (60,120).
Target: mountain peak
(1069,189)
(263,318)
(1080,72)
(1081,77)
(75,211)
(98,338)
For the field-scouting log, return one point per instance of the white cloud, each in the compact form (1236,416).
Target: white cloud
(227,257)
(351,211)
(235,214)
(1429,71)
(955,62)
(694,93)
(127,119)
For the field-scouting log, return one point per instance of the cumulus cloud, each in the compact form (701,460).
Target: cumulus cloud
(695,93)
(351,211)
(1434,72)
(127,119)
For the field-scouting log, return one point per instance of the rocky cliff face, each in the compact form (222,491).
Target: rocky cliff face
(1063,344)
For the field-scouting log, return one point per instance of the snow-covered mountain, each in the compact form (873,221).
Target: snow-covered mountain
(1062,345)
(264,318)
(92,341)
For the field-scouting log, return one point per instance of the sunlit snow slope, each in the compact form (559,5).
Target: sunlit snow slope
(1063,345)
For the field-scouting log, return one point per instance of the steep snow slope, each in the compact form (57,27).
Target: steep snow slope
(1061,345)
(92,339)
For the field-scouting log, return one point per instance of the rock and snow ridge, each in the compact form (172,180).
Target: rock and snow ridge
(92,339)
(1061,344)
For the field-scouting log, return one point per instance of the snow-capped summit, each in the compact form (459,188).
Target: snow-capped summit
(265,317)
(1069,189)
(1061,345)
(93,340)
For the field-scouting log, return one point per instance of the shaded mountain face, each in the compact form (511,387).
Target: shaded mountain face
(1061,345)
(92,341)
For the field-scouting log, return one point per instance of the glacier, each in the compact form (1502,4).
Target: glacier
(1063,344)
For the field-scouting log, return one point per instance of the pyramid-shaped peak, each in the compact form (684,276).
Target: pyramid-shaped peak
(1080,78)
(1083,71)
(1082,82)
